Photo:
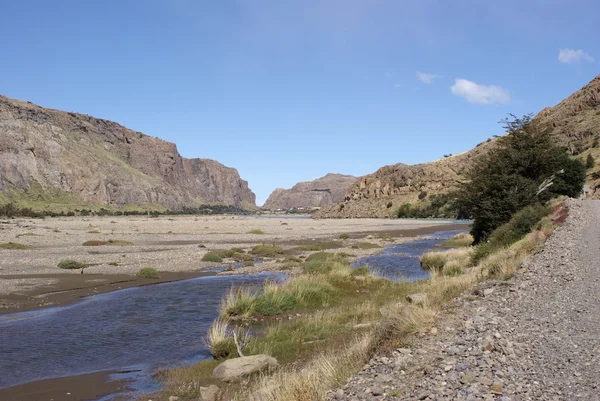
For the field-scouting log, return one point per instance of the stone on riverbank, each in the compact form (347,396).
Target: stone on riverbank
(234,369)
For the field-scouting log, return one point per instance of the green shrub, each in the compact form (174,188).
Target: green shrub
(147,272)
(518,227)
(212,257)
(71,264)
(256,231)
(512,176)
(266,251)
(365,245)
(590,162)
(13,245)
(344,236)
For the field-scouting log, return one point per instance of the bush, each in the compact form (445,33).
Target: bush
(256,231)
(71,264)
(518,227)
(147,272)
(590,162)
(212,257)
(266,251)
(344,236)
(13,245)
(515,174)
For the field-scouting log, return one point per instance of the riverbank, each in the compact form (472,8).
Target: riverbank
(173,245)
(326,323)
(51,239)
(529,337)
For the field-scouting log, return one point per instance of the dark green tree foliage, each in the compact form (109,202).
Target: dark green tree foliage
(589,162)
(510,176)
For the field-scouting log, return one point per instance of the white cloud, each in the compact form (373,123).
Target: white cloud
(572,56)
(427,78)
(480,94)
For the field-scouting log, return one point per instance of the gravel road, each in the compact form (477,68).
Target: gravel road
(534,337)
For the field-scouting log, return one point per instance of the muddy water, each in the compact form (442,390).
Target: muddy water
(400,262)
(140,328)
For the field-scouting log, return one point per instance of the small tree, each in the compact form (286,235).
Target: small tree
(511,175)
(590,162)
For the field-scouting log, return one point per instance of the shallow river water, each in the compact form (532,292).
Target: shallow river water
(145,328)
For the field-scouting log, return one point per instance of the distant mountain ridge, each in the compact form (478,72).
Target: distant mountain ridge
(574,123)
(310,194)
(49,155)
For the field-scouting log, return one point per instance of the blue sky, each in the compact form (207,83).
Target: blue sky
(287,90)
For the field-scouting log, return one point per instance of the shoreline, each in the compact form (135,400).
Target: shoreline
(62,289)
(68,289)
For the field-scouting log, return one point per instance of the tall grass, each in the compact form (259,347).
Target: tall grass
(218,342)
(276,298)
(462,239)
(447,262)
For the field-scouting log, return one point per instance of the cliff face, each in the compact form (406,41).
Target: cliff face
(318,193)
(101,162)
(575,123)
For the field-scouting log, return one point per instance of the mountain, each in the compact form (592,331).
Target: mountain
(54,157)
(574,123)
(318,193)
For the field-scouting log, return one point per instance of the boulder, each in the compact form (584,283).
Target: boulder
(235,369)
(209,393)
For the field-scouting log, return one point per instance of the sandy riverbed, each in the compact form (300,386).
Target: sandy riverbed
(174,245)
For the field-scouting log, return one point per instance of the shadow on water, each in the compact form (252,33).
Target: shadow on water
(137,329)
(400,262)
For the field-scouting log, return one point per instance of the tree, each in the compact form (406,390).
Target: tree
(509,177)
(589,162)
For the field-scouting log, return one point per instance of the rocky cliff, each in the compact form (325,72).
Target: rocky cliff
(575,123)
(49,155)
(318,193)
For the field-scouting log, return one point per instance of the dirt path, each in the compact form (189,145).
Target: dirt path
(534,337)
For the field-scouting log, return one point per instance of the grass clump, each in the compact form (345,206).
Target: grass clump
(115,242)
(275,298)
(218,342)
(320,246)
(522,223)
(344,236)
(459,240)
(13,245)
(70,264)
(257,231)
(266,251)
(448,262)
(291,261)
(147,272)
(212,257)
(326,262)
(365,245)
(95,243)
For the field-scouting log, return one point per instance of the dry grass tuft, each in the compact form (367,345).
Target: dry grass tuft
(459,240)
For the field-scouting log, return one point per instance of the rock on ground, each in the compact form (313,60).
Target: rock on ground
(534,337)
(236,368)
